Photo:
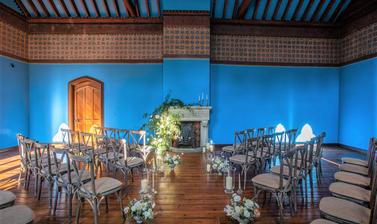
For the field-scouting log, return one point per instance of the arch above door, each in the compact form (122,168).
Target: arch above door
(85,104)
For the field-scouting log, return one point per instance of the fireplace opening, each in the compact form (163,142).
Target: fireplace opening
(190,135)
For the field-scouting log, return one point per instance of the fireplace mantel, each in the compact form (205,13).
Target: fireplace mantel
(196,113)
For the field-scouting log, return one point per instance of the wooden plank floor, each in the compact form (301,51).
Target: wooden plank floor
(188,195)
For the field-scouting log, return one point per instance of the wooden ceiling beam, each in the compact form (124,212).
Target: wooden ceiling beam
(83,3)
(158,7)
(277,7)
(334,16)
(235,7)
(243,9)
(148,8)
(213,8)
(317,10)
(34,8)
(326,12)
(117,11)
(256,9)
(44,8)
(53,6)
(357,9)
(23,8)
(130,8)
(66,11)
(287,7)
(298,7)
(95,6)
(224,8)
(266,9)
(137,8)
(307,9)
(74,6)
(104,3)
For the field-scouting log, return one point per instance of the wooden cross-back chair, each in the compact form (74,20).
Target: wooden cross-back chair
(96,189)
(280,185)
(70,138)
(246,156)
(343,209)
(238,144)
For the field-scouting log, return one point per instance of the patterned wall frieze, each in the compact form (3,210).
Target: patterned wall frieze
(14,42)
(273,50)
(106,47)
(359,44)
(186,41)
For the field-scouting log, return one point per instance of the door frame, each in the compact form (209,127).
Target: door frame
(71,89)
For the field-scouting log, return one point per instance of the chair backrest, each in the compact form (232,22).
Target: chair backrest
(98,130)
(21,150)
(79,164)
(288,158)
(240,142)
(110,132)
(251,136)
(261,131)
(270,130)
(371,156)
(278,142)
(373,195)
(289,138)
(61,157)
(121,134)
(137,140)
(43,160)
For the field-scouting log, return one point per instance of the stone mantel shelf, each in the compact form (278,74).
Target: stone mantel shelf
(196,113)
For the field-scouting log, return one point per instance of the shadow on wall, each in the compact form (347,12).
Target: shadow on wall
(58,137)
(305,135)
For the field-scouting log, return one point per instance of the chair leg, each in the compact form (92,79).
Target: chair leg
(78,210)
(41,179)
(56,201)
(120,200)
(69,195)
(95,211)
(244,178)
(50,190)
(107,204)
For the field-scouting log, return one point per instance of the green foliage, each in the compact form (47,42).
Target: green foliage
(163,125)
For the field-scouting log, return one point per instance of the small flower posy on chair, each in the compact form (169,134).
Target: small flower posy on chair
(242,210)
(141,210)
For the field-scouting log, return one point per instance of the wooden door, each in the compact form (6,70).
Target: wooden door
(86,104)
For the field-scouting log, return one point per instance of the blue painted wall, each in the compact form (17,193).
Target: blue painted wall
(186,79)
(358,105)
(130,90)
(14,101)
(260,96)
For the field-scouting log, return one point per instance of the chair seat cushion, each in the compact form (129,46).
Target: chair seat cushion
(344,210)
(322,221)
(228,148)
(240,159)
(352,178)
(355,161)
(103,185)
(350,191)
(7,199)
(18,214)
(276,170)
(268,180)
(132,162)
(353,169)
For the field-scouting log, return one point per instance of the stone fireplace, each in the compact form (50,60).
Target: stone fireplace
(194,128)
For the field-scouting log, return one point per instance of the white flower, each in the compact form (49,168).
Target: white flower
(246,213)
(237,209)
(236,198)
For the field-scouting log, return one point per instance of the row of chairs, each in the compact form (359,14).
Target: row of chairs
(354,194)
(72,167)
(10,213)
(258,148)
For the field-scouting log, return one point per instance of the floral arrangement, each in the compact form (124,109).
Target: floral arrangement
(141,210)
(164,126)
(242,210)
(220,164)
(172,161)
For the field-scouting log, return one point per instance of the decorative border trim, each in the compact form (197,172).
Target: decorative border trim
(273,64)
(99,61)
(185,13)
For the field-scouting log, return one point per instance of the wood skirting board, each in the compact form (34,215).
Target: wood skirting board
(13,148)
